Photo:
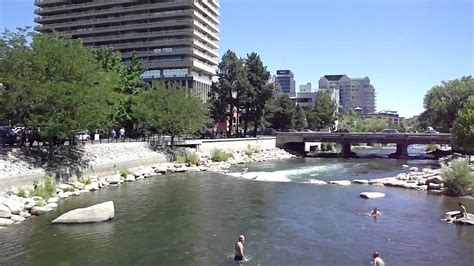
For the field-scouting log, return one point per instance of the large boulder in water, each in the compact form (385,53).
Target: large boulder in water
(93,214)
(372,195)
(5,211)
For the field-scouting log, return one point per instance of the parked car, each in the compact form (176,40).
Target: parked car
(83,136)
(389,131)
(268,131)
(8,136)
(342,130)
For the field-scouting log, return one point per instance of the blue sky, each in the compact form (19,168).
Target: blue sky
(404,46)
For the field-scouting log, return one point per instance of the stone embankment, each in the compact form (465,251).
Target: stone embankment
(15,209)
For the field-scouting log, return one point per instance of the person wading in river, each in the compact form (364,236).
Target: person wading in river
(376,260)
(239,250)
(375,212)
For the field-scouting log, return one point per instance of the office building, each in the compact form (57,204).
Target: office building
(305,87)
(177,40)
(353,92)
(286,80)
(391,116)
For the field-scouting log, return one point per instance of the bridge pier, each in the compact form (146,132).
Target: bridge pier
(402,151)
(346,150)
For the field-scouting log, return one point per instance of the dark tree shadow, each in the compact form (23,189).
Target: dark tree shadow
(66,162)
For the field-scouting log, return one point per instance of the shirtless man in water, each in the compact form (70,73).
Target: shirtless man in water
(375,212)
(239,249)
(376,260)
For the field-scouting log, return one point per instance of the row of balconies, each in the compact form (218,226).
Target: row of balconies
(205,58)
(206,29)
(180,63)
(42,3)
(115,10)
(212,52)
(124,19)
(210,25)
(118,28)
(212,16)
(208,5)
(67,7)
(136,35)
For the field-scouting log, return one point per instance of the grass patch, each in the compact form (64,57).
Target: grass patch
(219,155)
(189,158)
(44,189)
(124,172)
(458,179)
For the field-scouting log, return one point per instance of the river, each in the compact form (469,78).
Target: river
(195,218)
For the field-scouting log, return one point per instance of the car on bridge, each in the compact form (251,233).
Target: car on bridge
(389,131)
(430,130)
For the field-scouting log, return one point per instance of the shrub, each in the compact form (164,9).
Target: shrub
(458,179)
(431,147)
(85,180)
(219,155)
(189,158)
(124,172)
(43,189)
(22,193)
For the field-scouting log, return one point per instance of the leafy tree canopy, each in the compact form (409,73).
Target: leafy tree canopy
(324,112)
(53,83)
(443,102)
(171,109)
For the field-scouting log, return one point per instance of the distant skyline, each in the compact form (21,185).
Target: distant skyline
(404,46)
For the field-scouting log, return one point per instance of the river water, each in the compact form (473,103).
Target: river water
(195,218)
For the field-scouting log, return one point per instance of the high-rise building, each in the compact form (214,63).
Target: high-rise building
(286,81)
(353,93)
(177,40)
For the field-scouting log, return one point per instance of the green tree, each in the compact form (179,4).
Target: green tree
(171,109)
(56,86)
(443,102)
(281,113)
(260,91)
(463,128)
(226,94)
(130,83)
(324,112)
(299,119)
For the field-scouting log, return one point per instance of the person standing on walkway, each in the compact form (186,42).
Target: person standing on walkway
(376,260)
(239,250)
(113,134)
(122,134)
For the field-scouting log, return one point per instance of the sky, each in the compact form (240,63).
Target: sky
(404,46)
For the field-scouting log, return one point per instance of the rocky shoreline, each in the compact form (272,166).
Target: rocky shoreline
(15,209)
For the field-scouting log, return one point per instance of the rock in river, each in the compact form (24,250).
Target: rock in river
(340,182)
(372,195)
(36,210)
(5,211)
(93,214)
(360,181)
(5,222)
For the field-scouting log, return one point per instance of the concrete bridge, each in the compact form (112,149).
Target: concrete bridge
(296,140)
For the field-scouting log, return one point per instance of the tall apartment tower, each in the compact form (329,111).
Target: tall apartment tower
(353,93)
(177,40)
(286,80)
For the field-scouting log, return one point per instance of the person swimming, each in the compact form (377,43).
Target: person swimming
(375,212)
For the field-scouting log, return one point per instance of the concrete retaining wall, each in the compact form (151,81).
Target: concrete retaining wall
(237,144)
